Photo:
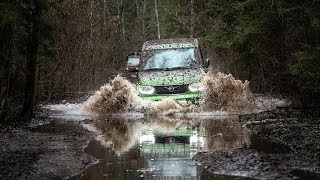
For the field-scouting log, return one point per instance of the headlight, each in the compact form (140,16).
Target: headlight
(196,87)
(146,89)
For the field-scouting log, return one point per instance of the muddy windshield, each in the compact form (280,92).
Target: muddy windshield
(169,59)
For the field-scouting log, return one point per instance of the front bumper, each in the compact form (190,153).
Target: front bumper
(184,96)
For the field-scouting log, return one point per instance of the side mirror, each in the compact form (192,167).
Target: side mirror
(206,63)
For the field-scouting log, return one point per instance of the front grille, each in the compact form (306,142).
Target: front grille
(172,89)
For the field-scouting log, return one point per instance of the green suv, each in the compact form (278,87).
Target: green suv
(171,68)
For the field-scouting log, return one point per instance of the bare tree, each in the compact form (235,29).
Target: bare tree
(192,18)
(157,18)
(32,51)
(143,18)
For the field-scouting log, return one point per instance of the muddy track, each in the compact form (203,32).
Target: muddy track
(51,151)
(284,145)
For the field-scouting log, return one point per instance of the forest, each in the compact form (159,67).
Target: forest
(51,49)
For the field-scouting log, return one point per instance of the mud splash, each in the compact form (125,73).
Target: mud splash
(117,96)
(222,93)
(69,111)
(225,93)
(121,96)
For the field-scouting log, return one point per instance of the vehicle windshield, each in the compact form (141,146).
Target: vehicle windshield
(170,59)
(133,61)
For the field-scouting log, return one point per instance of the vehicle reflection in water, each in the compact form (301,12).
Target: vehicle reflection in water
(159,147)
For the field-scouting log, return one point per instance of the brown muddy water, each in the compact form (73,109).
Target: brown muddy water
(159,147)
(157,140)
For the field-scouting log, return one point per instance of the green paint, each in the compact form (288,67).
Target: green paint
(165,148)
(179,133)
(187,96)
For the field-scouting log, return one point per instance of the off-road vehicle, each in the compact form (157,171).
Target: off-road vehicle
(171,68)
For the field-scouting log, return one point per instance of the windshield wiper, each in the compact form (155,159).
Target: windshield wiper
(174,68)
(168,69)
(153,69)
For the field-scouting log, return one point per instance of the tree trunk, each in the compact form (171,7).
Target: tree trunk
(143,19)
(157,18)
(7,93)
(13,57)
(92,60)
(122,19)
(32,51)
(192,19)
(104,16)
(137,9)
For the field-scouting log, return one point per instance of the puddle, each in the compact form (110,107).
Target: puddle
(159,147)
(142,145)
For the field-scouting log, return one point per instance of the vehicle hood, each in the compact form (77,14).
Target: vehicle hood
(171,77)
